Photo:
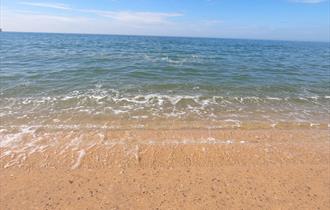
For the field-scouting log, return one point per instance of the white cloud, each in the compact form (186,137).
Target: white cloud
(47,5)
(136,17)
(105,23)
(130,17)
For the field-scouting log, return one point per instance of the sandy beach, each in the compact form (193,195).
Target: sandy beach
(177,169)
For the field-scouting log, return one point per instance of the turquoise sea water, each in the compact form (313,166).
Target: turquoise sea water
(71,79)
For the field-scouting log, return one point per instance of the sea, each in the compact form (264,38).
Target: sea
(76,81)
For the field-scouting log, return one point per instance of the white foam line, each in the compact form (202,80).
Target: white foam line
(5,153)
(314,124)
(81,155)
(274,98)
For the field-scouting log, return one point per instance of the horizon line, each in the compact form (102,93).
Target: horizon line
(169,36)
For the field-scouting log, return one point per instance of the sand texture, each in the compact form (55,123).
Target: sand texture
(172,169)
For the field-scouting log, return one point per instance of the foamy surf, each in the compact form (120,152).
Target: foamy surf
(18,143)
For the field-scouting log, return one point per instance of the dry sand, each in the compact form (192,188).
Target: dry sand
(174,169)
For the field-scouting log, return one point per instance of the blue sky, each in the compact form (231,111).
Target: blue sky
(252,19)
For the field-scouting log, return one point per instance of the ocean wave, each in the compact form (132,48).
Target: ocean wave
(112,95)
(109,102)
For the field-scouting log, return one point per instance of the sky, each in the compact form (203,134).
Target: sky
(306,20)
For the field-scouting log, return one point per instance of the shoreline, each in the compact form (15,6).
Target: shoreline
(178,169)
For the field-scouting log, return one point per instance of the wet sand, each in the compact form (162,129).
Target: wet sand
(172,169)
